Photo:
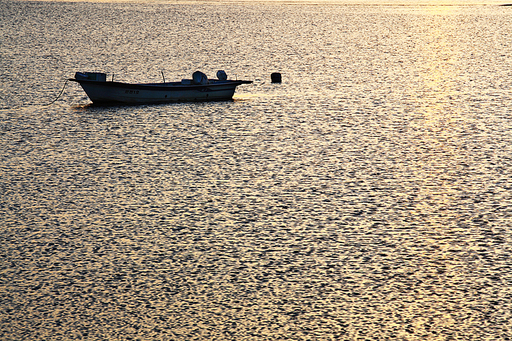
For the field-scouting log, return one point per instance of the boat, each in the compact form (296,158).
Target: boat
(199,88)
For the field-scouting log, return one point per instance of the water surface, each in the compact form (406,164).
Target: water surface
(365,197)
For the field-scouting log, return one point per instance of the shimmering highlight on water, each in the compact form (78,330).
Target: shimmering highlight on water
(365,197)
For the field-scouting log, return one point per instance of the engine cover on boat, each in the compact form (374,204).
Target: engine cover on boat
(199,78)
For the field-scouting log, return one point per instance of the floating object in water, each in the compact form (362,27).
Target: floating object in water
(276,77)
(199,88)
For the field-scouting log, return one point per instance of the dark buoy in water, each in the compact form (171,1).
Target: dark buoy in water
(276,77)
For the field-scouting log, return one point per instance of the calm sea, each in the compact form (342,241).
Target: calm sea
(366,197)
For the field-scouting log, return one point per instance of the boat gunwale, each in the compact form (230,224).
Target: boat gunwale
(168,86)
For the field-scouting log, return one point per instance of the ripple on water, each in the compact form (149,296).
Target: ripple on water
(367,196)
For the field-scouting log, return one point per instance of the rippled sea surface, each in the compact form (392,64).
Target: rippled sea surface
(367,197)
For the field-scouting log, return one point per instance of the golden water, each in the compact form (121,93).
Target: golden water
(368,196)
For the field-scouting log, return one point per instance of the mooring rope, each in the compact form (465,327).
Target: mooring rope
(55,100)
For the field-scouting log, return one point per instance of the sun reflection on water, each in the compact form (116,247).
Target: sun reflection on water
(365,197)
(439,157)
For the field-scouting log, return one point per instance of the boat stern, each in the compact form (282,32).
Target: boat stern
(91,76)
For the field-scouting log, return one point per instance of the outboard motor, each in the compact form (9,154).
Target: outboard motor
(199,78)
(221,75)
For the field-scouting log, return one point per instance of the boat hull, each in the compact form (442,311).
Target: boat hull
(104,93)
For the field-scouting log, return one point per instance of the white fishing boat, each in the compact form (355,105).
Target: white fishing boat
(197,89)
